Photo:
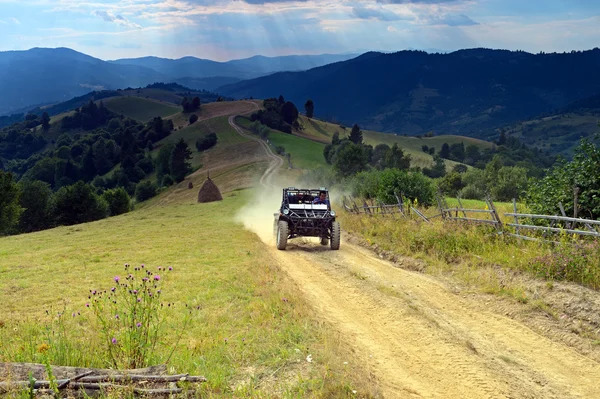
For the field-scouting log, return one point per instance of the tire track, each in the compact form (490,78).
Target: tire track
(275,161)
(419,338)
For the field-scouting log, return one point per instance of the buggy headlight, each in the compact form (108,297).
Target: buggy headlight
(286,211)
(332,213)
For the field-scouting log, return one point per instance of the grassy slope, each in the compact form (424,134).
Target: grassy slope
(558,133)
(305,154)
(139,108)
(323,131)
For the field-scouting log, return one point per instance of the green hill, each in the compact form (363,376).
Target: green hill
(139,108)
(558,134)
(323,132)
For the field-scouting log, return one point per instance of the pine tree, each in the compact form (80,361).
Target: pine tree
(180,167)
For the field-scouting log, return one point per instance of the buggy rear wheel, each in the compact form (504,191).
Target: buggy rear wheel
(335,235)
(282,234)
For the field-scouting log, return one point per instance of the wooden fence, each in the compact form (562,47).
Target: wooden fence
(523,222)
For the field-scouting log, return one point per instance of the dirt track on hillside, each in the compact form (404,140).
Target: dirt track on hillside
(418,337)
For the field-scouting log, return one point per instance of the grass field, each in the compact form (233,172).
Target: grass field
(139,108)
(323,131)
(251,337)
(225,133)
(558,133)
(305,154)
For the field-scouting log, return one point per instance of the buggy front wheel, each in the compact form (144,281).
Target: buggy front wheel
(335,235)
(324,241)
(282,234)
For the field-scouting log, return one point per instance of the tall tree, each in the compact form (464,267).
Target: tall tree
(356,135)
(309,107)
(10,210)
(45,121)
(289,112)
(179,162)
(36,201)
(445,151)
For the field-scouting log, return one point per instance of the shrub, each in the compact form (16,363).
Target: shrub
(193,118)
(118,201)
(385,184)
(206,142)
(167,181)
(79,203)
(145,190)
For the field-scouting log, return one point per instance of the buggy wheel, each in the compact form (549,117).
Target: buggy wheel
(335,235)
(324,240)
(282,234)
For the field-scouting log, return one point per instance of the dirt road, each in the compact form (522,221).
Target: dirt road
(422,340)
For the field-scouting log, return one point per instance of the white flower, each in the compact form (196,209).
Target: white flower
(309,358)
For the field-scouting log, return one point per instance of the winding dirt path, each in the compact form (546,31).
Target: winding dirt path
(420,339)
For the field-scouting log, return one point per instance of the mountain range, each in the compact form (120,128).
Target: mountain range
(467,92)
(43,75)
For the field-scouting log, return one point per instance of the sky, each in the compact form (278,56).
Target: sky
(231,29)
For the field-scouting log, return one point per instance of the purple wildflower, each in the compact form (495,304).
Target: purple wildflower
(135,292)
(117,278)
(145,279)
(117,316)
(113,289)
(139,299)
(138,324)
(142,265)
(114,341)
(170,268)
(159,268)
(94,292)
(73,314)
(156,277)
(87,305)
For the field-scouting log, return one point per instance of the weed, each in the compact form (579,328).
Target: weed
(131,316)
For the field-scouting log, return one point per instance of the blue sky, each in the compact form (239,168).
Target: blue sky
(229,29)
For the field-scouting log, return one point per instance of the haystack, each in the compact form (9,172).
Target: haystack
(190,185)
(209,192)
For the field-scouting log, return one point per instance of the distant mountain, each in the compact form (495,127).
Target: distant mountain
(192,67)
(41,76)
(468,92)
(44,75)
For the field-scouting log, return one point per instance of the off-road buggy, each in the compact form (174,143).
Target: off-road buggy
(300,216)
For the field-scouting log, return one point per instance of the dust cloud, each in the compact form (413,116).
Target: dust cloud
(258,214)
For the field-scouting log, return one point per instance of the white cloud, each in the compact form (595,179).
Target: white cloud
(16,21)
(108,16)
(392,29)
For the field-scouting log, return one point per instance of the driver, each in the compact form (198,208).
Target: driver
(321,199)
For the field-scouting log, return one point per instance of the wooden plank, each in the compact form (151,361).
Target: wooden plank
(561,218)
(470,210)
(474,220)
(557,230)
(461,206)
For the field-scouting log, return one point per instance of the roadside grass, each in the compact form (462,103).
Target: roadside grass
(478,255)
(140,108)
(252,335)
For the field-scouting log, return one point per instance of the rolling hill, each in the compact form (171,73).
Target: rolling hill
(42,76)
(561,131)
(467,92)
(197,68)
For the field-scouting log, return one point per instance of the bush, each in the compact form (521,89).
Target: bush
(193,118)
(383,185)
(78,203)
(208,141)
(145,190)
(118,201)
(167,181)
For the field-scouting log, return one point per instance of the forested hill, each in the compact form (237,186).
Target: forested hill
(467,92)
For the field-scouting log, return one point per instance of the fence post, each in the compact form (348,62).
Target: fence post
(461,206)
(562,211)
(441,206)
(516,217)
(499,226)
